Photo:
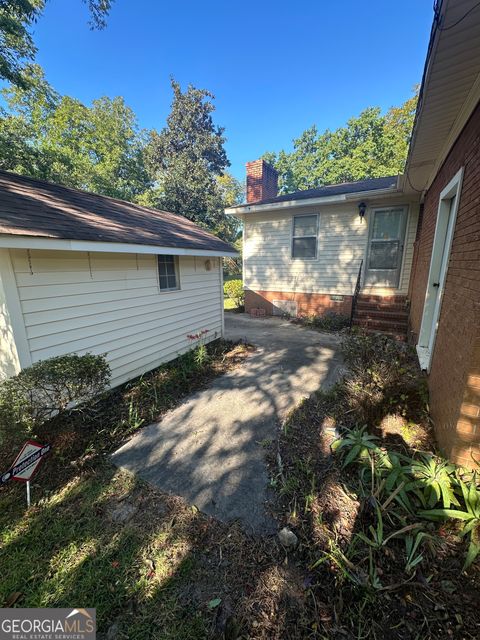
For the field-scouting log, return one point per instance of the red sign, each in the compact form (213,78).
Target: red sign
(27,462)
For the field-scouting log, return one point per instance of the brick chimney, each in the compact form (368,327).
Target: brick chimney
(262,181)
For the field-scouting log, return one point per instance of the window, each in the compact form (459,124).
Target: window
(304,240)
(168,273)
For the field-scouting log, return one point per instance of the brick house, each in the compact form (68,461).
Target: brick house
(411,242)
(444,290)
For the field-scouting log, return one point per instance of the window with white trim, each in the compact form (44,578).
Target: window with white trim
(304,236)
(168,273)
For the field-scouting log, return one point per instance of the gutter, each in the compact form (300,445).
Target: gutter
(309,202)
(17,241)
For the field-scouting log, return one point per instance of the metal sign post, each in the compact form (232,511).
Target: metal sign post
(26,464)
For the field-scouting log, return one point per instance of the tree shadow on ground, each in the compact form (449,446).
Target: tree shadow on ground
(327,506)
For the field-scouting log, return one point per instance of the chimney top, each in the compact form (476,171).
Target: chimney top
(262,181)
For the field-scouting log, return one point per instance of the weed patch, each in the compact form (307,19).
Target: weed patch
(388,530)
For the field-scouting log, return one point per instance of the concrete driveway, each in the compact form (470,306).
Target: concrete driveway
(211,449)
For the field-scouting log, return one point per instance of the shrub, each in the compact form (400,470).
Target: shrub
(329,321)
(233,289)
(383,377)
(48,387)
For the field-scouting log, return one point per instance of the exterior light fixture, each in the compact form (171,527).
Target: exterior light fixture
(362,207)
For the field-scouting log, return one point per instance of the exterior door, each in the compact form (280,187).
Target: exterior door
(385,246)
(442,242)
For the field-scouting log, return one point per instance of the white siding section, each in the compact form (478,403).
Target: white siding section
(9,362)
(111,303)
(342,244)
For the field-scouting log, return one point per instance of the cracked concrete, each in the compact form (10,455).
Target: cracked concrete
(211,449)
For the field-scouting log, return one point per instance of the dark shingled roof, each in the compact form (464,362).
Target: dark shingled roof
(371,184)
(30,207)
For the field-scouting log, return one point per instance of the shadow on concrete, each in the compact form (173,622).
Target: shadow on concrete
(211,449)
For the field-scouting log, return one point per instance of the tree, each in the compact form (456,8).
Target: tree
(17,48)
(187,157)
(370,145)
(57,138)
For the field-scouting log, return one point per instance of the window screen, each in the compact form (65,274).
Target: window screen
(167,271)
(304,241)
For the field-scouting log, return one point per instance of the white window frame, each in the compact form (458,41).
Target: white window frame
(177,273)
(442,245)
(294,237)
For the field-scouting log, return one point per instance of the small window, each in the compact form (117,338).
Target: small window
(304,241)
(168,273)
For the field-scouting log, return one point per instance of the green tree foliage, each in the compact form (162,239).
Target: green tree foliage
(187,160)
(17,48)
(98,148)
(369,146)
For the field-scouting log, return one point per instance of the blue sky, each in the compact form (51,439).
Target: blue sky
(275,67)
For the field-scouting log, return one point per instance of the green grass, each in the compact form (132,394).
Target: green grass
(69,549)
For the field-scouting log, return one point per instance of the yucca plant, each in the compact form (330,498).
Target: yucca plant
(470,515)
(358,443)
(433,481)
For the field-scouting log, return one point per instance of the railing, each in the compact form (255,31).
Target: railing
(356,292)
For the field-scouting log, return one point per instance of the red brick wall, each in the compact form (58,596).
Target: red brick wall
(307,303)
(454,379)
(262,181)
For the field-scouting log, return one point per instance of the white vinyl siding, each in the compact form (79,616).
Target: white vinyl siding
(111,303)
(341,245)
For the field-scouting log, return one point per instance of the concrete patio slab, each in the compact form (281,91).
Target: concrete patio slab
(210,449)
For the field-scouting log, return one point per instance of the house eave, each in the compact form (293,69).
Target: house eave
(310,202)
(11,241)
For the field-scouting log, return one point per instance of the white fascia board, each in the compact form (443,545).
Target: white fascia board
(310,202)
(34,242)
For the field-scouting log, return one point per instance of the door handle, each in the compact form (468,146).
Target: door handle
(436,284)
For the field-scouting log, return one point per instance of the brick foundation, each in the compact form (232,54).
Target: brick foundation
(307,303)
(454,379)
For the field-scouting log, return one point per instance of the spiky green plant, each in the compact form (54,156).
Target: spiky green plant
(433,481)
(358,442)
(412,544)
(470,515)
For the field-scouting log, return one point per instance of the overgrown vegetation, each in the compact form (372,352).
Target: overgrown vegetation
(47,388)
(329,321)
(233,289)
(388,529)
(97,536)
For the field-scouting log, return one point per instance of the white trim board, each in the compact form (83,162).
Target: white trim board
(34,242)
(437,275)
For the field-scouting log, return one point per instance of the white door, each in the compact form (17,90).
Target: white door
(385,246)
(442,242)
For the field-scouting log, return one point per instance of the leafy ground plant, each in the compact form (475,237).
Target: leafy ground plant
(381,564)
